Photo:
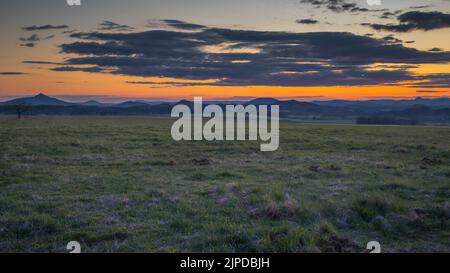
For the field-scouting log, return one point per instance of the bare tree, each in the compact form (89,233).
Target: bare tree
(21,108)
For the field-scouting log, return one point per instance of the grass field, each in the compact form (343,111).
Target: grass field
(123,185)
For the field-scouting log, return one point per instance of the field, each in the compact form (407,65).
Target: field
(123,185)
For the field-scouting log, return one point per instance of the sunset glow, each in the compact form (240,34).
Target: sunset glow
(35,60)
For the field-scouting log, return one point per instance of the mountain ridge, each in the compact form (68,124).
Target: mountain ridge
(418,110)
(42,99)
(39,99)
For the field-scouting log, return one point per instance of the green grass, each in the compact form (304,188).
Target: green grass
(123,185)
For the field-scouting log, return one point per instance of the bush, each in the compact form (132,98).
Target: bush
(386,121)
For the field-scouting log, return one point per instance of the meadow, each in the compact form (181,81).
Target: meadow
(121,184)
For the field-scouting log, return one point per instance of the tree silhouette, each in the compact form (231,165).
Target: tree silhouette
(21,108)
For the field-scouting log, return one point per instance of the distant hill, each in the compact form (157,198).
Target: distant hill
(265,101)
(129,104)
(39,99)
(420,113)
(95,103)
(295,106)
(436,102)
(190,104)
(416,111)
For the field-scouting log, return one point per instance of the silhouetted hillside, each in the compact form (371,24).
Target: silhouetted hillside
(369,112)
(39,99)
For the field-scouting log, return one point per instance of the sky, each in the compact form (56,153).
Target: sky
(112,50)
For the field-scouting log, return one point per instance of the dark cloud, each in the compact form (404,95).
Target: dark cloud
(28,45)
(36,38)
(93,69)
(399,66)
(429,91)
(339,6)
(246,57)
(392,40)
(68,31)
(32,40)
(41,62)
(170,83)
(307,21)
(44,27)
(416,20)
(387,15)
(390,14)
(183,25)
(433,81)
(420,7)
(12,73)
(112,26)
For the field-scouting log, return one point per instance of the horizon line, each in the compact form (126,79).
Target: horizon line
(118,99)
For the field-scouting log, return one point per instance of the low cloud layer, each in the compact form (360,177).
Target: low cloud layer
(307,21)
(44,27)
(337,5)
(32,40)
(12,73)
(183,25)
(434,81)
(112,26)
(416,20)
(229,57)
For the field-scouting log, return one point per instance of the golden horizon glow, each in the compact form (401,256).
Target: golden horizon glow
(116,86)
(103,84)
(39,78)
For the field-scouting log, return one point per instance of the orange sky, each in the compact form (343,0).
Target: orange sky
(39,78)
(97,84)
